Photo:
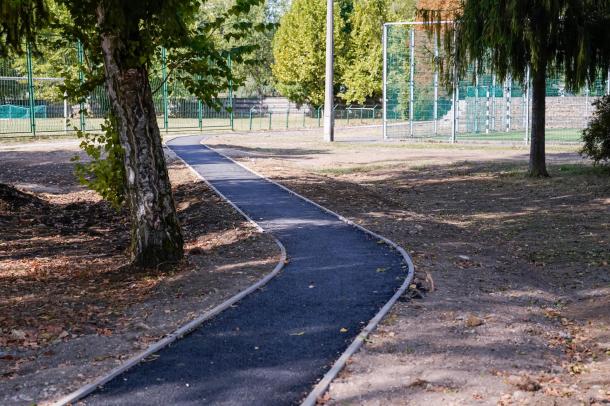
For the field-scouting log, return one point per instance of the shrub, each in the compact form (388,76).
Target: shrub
(105,172)
(596,136)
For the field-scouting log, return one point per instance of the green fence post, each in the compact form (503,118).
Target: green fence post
(231,116)
(250,119)
(319,116)
(31,89)
(200,114)
(347,111)
(303,119)
(199,110)
(81,78)
(164,87)
(270,115)
(287,116)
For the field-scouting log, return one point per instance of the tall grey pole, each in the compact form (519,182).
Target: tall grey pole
(385,82)
(329,125)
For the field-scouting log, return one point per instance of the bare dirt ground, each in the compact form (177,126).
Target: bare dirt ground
(512,294)
(71,308)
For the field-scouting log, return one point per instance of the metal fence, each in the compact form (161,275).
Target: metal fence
(480,108)
(32,101)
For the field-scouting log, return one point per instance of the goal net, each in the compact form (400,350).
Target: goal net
(479,107)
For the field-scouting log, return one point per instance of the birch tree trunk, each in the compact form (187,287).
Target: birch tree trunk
(155,232)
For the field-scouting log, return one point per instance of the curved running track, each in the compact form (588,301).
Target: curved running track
(272,347)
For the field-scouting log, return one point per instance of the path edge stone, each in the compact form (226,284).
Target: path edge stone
(322,386)
(187,328)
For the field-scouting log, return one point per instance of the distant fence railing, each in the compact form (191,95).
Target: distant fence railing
(32,101)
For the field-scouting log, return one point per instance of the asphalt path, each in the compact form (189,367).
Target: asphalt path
(275,344)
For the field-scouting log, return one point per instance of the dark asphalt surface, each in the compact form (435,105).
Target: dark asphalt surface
(272,347)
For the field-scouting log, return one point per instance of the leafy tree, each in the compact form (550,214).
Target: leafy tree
(105,172)
(21,19)
(122,40)
(299,50)
(363,77)
(255,70)
(596,137)
(510,36)
(363,74)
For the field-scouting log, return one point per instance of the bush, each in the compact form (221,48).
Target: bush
(105,173)
(596,136)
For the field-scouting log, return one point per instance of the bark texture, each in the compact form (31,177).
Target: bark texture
(155,237)
(537,162)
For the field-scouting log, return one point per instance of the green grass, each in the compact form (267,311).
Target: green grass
(562,135)
(581,170)
(349,170)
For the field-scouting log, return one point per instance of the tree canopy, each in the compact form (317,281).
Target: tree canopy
(511,37)
(299,48)
(121,41)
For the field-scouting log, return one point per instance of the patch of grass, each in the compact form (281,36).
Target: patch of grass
(408,144)
(581,169)
(564,170)
(350,170)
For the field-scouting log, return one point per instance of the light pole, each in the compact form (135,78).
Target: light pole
(329,124)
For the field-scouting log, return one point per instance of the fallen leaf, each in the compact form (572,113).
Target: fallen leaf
(474,321)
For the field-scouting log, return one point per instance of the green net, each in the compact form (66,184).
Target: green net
(9,111)
(417,105)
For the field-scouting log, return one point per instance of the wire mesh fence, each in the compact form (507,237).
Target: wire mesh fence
(33,102)
(479,107)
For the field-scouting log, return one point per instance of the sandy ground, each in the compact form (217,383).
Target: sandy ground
(511,299)
(70,309)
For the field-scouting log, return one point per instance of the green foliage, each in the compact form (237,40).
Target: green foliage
(20,20)
(198,46)
(596,136)
(254,73)
(105,172)
(363,78)
(299,50)
(508,36)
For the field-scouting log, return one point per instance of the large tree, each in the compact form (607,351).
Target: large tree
(122,38)
(362,77)
(512,36)
(256,69)
(299,50)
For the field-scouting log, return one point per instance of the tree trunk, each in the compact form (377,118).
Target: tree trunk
(537,163)
(155,232)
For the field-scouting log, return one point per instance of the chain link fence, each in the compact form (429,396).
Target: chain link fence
(32,101)
(480,108)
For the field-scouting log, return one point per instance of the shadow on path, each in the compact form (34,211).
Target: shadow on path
(273,346)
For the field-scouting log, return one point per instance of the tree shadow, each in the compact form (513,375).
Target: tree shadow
(238,151)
